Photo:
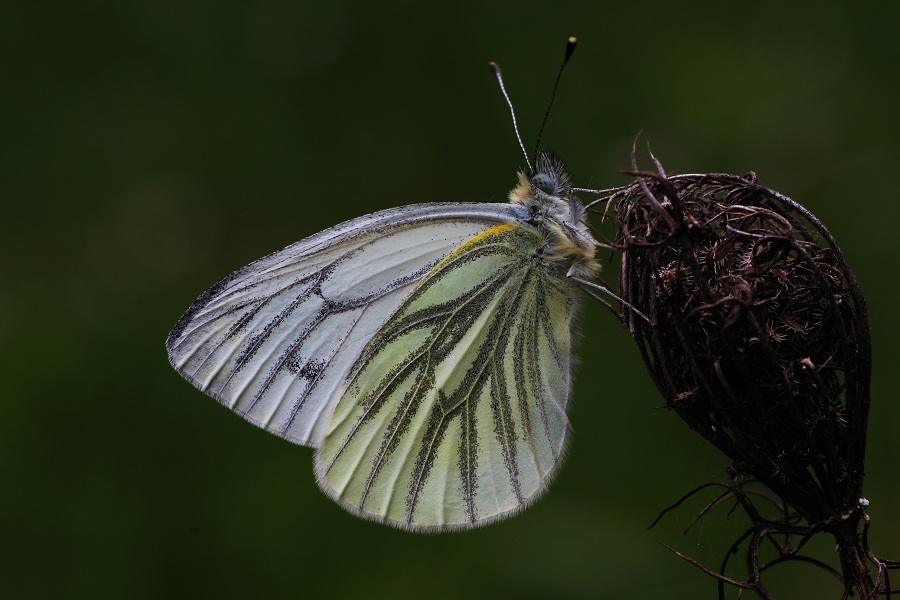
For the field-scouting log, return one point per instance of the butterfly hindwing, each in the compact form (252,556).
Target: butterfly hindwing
(455,413)
(276,340)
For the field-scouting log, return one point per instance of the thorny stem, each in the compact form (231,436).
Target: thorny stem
(852,555)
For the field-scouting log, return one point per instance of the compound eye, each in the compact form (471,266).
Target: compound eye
(544,182)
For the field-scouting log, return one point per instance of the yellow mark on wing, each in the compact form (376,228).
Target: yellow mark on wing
(499,240)
(475,240)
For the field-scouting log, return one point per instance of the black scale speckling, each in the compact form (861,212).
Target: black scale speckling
(483,372)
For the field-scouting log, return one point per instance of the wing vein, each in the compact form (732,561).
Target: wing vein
(411,359)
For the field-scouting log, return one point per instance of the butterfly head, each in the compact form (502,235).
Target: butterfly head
(546,191)
(544,187)
(549,177)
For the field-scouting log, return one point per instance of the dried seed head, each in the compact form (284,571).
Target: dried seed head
(760,339)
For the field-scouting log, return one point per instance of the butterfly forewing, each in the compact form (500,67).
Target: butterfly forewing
(455,413)
(277,340)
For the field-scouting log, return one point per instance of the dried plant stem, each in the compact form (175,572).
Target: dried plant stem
(755,330)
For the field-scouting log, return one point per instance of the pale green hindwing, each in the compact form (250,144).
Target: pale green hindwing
(455,413)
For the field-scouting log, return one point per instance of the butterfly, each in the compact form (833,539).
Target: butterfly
(424,352)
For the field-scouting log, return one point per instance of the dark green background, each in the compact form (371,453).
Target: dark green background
(150,148)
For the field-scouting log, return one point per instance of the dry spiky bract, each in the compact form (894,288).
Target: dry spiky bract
(759,341)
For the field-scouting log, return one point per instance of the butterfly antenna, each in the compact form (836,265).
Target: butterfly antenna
(570,48)
(495,69)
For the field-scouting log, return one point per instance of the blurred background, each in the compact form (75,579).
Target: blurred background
(150,148)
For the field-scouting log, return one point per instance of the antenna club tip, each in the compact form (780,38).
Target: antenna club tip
(570,48)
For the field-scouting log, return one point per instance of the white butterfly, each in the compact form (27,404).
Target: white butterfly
(425,352)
